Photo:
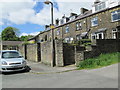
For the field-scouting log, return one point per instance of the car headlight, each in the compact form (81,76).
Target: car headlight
(4,63)
(23,62)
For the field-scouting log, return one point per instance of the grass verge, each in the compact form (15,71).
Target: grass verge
(100,61)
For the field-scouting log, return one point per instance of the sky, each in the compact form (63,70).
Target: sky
(31,16)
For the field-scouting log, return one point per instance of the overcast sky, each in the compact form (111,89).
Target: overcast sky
(30,16)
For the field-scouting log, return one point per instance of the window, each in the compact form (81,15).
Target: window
(115,15)
(115,34)
(67,29)
(78,26)
(72,18)
(67,40)
(99,35)
(62,21)
(78,37)
(100,6)
(45,37)
(94,21)
(58,32)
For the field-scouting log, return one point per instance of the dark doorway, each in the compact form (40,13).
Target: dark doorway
(38,52)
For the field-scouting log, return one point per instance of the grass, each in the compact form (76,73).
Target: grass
(100,61)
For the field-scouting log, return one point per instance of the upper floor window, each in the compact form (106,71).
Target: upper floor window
(115,15)
(94,21)
(72,18)
(62,21)
(78,26)
(45,37)
(67,29)
(100,6)
(58,32)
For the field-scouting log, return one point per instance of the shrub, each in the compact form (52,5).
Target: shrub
(100,61)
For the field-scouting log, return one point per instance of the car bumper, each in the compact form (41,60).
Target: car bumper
(13,68)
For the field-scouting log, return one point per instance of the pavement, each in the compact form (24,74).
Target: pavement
(38,67)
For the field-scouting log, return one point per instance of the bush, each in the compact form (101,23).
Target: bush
(84,42)
(100,61)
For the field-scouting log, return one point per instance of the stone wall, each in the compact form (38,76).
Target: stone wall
(32,52)
(46,53)
(102,46)
(59,53)
(79,54)
(22,50)
(109,45)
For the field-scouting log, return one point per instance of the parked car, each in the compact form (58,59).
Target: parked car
(12,60)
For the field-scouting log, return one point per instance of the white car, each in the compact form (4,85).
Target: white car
(11,60)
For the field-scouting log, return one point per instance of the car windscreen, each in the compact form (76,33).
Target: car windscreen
(10,54)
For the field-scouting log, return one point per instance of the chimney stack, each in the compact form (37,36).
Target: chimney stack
(57,21)
(97,1)
(46,27)
(73,14)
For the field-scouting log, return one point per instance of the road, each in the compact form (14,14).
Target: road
(106,77)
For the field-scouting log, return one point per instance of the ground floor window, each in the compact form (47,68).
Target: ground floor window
(68,39)
(115,34)
(99,35)
(78,37)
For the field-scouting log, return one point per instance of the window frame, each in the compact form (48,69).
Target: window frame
(113,13)
(100,6)
(58,32)
(78,26)
(93,20)
(67,29)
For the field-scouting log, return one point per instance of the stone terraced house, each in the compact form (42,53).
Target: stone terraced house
(100,23)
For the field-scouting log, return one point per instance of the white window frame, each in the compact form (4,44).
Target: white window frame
(58,32)
(67,40)
(93,35)
(113,33)
(78,37)
(97,35)
(113,13)
(100,6)
(67,29)
(94,20)
(101,34)
(78,25)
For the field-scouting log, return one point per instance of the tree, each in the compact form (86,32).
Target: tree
(25,38)
(10,34)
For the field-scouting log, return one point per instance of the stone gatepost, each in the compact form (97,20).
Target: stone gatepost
(59,59)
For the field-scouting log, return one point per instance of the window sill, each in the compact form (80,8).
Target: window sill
(115,21)
(78,30)
(94,26)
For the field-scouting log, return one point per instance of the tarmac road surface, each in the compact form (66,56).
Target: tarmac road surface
(106,77)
